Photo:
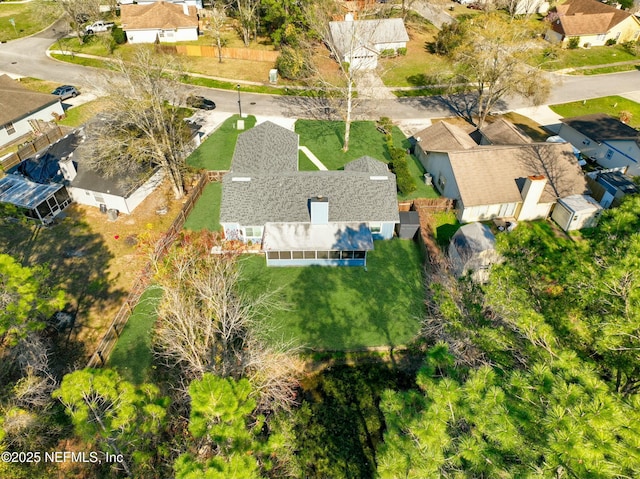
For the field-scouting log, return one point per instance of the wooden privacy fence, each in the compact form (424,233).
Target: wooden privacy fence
(211,51)
(108,341)
(45,139)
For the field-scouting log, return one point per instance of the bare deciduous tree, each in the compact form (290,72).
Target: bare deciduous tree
(216,16)
(206,324)
(79,12)
(247,11)
(142,126)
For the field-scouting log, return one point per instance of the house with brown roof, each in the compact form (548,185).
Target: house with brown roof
(160,21)
(592,22)
(605,139)
(22,109)
(521,181)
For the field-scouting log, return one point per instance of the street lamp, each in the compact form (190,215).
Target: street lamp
(239,104)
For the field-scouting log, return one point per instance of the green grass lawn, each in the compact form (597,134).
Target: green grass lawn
(26,18)
(132,357)
(324,139)
(611,105)
(304,163)
(445,225)
(342,308)
(206,214)
(216,151)
(582,57)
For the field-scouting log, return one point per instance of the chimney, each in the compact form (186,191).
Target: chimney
(319,209)
(531,193)
(67,168)
(185,9)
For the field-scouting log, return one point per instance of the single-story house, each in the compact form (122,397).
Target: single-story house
(59,172)
(521,181)
(159,21)
(22,107)
(191,3)
(472,250)
(500,132)
(592,22)
(304,217)
(607,140)
(360,42)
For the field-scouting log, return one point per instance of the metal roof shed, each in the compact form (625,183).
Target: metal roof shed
(41,201)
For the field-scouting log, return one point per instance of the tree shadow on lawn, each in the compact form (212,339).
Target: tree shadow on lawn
(78,260)
(342,308)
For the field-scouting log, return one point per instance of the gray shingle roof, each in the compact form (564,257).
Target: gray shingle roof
(18,101)
(353,197)
(367,164)
(502,132)
(443,136)
(367,33)
(600,127)
(266,148)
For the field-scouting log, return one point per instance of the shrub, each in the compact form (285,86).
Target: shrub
(402,51)
(399,166)
(610,42)
(293,63)
(118,35)
(574,43)
(450,37)
(632,47)
(387,53)
(625,116)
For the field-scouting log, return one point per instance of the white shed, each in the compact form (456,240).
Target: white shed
(576,212)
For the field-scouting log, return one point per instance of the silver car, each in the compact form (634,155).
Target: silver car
(65,91)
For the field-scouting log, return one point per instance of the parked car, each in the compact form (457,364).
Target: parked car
(197,101)
(65,91)
(98,26)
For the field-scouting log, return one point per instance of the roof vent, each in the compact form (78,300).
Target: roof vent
(241,178)
(378,178)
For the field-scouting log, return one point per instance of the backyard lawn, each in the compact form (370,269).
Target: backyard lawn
(206,214)
(324,139)
(611,105)
(216,151)
(345,308)
(132,356)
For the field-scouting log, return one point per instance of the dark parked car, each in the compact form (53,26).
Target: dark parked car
(65,91)
(196,101)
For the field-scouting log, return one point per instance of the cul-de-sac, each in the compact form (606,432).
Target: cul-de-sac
(377,239)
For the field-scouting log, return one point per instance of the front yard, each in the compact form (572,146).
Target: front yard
(346,308)
(553,58)
(611,105)
(26,19)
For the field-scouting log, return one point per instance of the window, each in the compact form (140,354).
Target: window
(309,255)
(375,227)
(253,231)
(609,154)
(601,37)
(347,255)
(285,254)
(442,182)
(323,255)
(9,128)
(334,254)
(297,255)
(273,255)
(359,254)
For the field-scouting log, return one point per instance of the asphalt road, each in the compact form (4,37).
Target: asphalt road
(27,57)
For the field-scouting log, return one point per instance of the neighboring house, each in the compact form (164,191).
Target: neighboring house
(608,141)
(21,108)
(472,250)
(592,23)
(521,181)
(191,3)
(162,22)
(46,183)
(500,132)
(360,42)
(304,217)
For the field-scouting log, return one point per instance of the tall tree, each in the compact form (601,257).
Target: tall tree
(216,17)
(78,12)
(143,125)
(492,65)
(230,442)
(125,419)
(247,14)
(207,324)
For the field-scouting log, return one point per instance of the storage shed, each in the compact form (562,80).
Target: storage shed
(576,212)
(409,224)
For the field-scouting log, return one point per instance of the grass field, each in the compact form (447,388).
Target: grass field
(206,214)
(132,357)
(582,57)
(611,105)
(346,307)
(26,18)
(324,139)
(216,151)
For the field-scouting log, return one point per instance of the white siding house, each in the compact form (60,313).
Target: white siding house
(21,107)
(159,21)
(608,141)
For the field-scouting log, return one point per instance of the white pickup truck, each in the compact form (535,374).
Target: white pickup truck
(98,26)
